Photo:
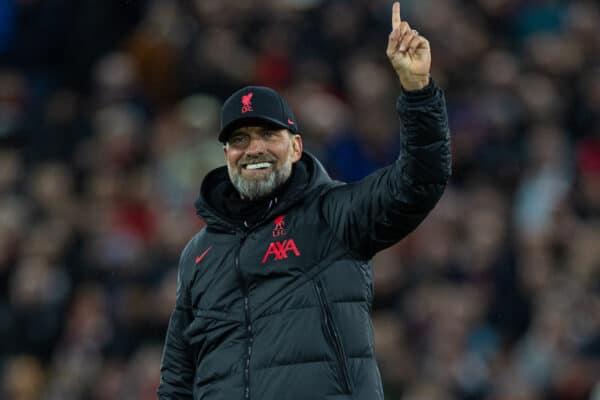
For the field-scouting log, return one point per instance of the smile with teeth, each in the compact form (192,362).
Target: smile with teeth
(260,165)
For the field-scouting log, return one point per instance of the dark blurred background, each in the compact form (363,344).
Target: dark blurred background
(108,118)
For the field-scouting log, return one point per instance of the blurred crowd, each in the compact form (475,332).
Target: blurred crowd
(108,119)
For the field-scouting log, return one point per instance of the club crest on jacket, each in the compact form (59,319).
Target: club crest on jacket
(279,229)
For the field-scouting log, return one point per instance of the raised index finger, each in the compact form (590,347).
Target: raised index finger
(396,15)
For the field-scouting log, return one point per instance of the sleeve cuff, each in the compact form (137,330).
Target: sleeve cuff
(421,94)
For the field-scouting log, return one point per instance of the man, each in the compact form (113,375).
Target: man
(274,295)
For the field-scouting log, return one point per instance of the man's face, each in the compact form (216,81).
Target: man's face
(259,159)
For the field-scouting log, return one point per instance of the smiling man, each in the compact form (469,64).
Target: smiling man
(261,141)
(259,159)
(274,294)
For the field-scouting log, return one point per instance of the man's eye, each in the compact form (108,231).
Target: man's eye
(268,133)
(236,139)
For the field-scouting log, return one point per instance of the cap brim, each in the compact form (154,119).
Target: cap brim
(249,121)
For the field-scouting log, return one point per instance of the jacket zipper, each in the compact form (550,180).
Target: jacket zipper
(246,294)
(249,337)
(334,336)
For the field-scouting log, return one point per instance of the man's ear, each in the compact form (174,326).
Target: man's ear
(296,148)
(225,149)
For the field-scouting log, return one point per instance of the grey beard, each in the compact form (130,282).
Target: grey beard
(253,189)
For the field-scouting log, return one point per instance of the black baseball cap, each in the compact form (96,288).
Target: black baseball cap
(255,105)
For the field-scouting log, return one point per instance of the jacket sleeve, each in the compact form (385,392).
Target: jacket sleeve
(177,365)
(381,209)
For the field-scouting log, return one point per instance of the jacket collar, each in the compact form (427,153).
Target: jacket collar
(218,180)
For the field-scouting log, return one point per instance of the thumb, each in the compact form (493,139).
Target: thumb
(393,42)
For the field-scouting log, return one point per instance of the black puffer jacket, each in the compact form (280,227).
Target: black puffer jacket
(280,310)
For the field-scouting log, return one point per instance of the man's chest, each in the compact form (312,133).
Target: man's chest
(257,264)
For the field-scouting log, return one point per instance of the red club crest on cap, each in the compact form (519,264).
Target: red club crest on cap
(247,103)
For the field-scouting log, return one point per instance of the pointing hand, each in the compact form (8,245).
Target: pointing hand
(409,53)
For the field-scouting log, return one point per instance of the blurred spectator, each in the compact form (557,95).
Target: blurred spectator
(23,379)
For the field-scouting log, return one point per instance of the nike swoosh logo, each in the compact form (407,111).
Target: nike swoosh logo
(201,256)
(290,122)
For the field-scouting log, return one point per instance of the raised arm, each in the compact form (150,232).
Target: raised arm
(378,211)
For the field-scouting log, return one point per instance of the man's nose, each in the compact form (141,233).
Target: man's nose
(257,145)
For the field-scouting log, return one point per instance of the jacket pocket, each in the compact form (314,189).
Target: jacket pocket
(333,337)
(206,335)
